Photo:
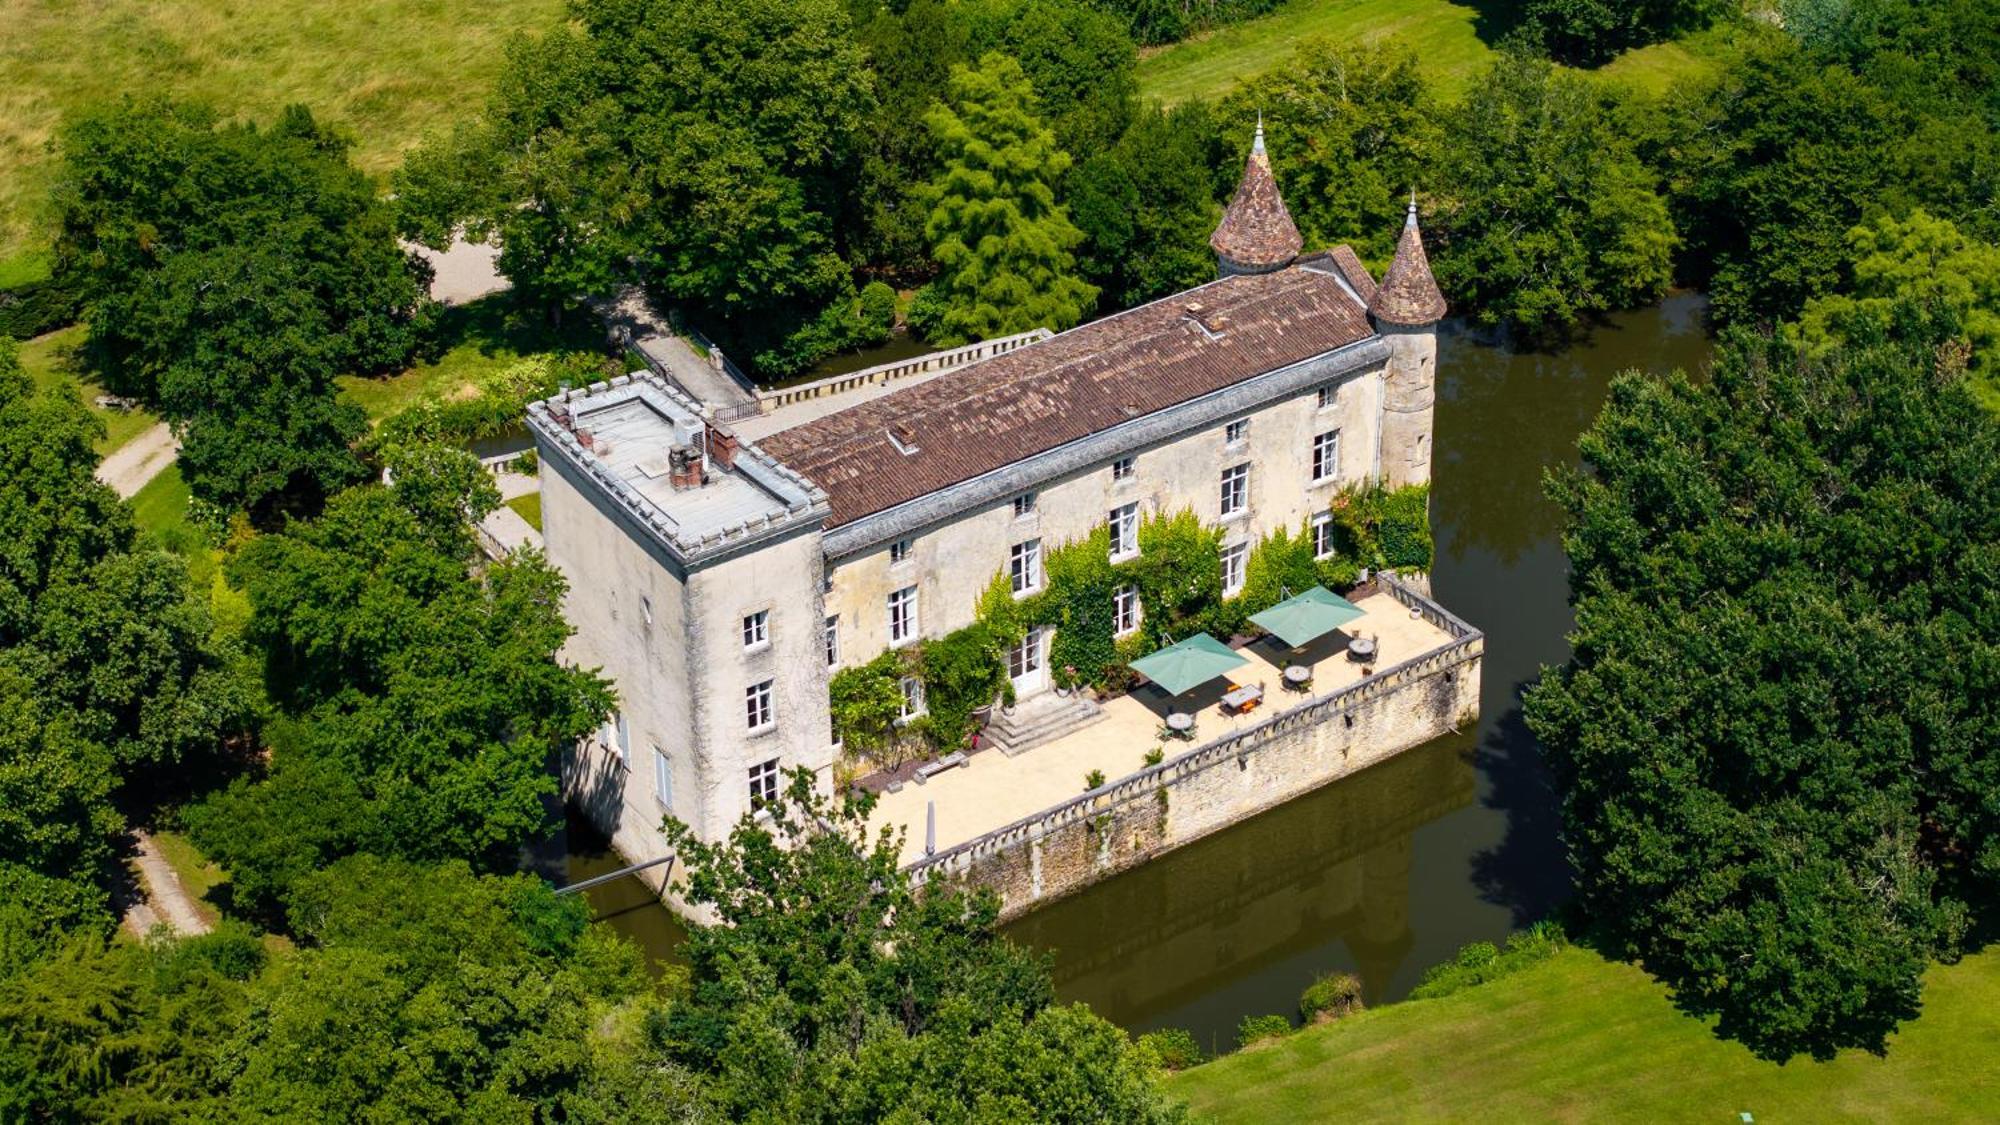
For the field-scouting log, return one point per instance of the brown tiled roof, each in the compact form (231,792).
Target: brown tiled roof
(1409,294)
(1256,231)
(998,411)
(1349,263)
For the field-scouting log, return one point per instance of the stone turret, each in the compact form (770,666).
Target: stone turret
(1256,234)
(1406,308)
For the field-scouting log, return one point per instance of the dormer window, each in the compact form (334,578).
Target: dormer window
(904,437)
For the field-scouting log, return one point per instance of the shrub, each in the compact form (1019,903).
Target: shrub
(1256,1029)
(31,308)
(927,310)
(1173,1048)
(1330,997)
(1480,961)
(961,671)
(1092,780)
(866,701)
(1404,528)
(1156,755)
(876,312)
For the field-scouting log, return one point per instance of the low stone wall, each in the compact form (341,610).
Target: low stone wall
(1126,822)
(771,400)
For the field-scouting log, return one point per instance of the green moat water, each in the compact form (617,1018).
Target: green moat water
(1388,872)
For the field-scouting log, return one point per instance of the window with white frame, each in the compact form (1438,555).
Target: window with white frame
(903,616)
(757,706)
(1233,558)
(832,640)
(1326,456)
(913,696)
(621,738)
(1234,433)
(757,629)
(1024,505)
(1024,566)
(1327,396)
(1322,536)
(1121,469)
(1235,489)
(763,783)
(1124,610)
(663,778)
(899,551)
(1124,523)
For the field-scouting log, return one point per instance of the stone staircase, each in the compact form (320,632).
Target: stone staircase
(1043,718)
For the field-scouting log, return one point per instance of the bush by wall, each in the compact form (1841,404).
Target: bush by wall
(1330,997)
(1256,1029)
(1173,1048)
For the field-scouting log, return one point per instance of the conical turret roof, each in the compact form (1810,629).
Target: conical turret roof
(1408,294)
(1256,233)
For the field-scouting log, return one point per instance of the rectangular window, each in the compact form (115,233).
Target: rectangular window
(1124,532)
(763,783)
(663,778)
(1025,659)
(1124,609)
(1326,456)
(1024,505)
(1234,433)
(903,616)
(1024,565)
(1322,536)
(757,705)
(913,696)
(624,733)
(1233,557)
(1327,396)
(1121,469)
(757,629)
(833,640)
(899,551)
(1235,489)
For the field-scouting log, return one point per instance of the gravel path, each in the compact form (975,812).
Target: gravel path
(166,899)
(131,465)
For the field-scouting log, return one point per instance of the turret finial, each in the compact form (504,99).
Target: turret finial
(1257,144)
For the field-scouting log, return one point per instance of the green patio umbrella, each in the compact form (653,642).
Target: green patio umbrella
(1308,616)
(1188,664)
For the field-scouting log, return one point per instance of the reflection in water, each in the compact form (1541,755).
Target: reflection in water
(626,905)
(1388,872)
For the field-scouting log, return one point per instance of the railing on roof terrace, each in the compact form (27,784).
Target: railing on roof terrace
(1467,642)
(889,372)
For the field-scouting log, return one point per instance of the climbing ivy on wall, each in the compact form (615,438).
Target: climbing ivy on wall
(1179,577)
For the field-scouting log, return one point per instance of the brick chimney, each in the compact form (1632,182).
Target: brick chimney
(722,447)
(684,467)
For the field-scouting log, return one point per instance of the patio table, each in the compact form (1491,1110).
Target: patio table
(1361,649)
(1249,695)
(1180,721)
(1298,675)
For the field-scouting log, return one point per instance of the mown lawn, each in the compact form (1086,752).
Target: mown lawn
(1446,37)
(47,359)
(529,507)
(390,70)
(1580,1038)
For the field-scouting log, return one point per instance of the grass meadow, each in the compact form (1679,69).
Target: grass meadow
(1579,1038)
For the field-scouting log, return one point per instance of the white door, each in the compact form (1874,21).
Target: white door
(1027,664)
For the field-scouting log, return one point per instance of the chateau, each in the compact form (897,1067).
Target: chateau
(720,579)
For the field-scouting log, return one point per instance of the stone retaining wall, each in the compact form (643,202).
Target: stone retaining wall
(1126,822)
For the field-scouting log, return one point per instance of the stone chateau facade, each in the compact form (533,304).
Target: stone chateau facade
(720,581)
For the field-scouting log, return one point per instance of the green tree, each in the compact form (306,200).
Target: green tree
(1589,32)
(1079,60)
(834,988)
(1002,241)
(1775,792)
(229,273)
(706,151)
(1922,261)
(421,690)
(1546,216)
(1145,207)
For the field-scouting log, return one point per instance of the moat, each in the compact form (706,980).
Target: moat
(1387,872)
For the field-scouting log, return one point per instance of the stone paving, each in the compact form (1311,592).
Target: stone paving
(993,790)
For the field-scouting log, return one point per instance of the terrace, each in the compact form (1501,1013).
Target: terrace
(992,791)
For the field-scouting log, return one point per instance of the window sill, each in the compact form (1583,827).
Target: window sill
(1235,516)
(764,731)
(1124,557)
(1023,595)
(904,643)
(760,646)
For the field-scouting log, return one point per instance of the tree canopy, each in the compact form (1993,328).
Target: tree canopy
(833,987)
(1002,242)
(229,273)
(421,695)
(1775,738)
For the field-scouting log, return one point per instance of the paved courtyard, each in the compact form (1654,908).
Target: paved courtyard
(993,790)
